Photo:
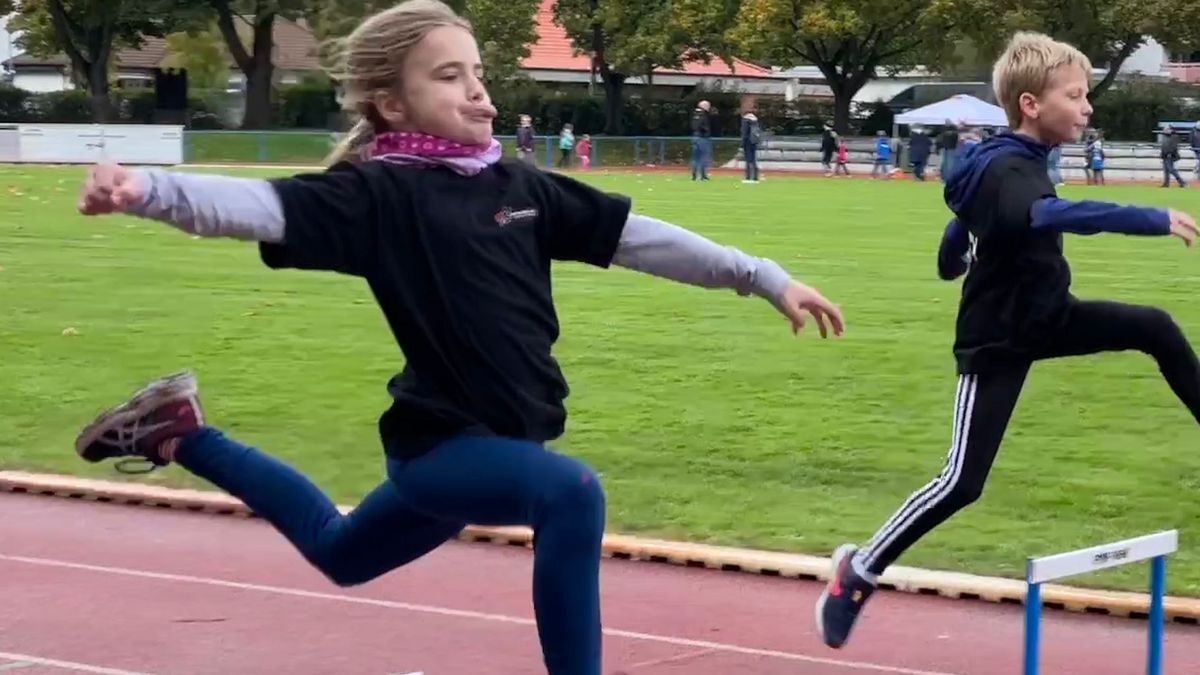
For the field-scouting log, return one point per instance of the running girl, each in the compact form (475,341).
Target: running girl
(456,245)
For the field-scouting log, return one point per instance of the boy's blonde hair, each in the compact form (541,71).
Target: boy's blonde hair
(1026,65)
(371,59)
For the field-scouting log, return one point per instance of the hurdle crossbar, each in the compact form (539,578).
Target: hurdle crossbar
(1154,547)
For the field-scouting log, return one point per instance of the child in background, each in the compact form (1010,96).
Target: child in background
(525,139)
(751,138)
(1089,155)
(1098,158)
(584,150)
(456,244)
(566,144)
(883,155)
(843,158)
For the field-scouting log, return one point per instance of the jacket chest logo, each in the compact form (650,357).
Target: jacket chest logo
(508,215)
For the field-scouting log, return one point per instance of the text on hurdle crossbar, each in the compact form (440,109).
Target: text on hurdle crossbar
(1084,560)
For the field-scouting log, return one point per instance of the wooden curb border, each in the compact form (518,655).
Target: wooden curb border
(905,579)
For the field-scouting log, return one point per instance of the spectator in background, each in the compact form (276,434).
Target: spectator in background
(751,137)
(947,146)
(566,143)
(883,155)
(1054,165)
(829,144)
(920,147)
(1170,155)
(525,139)
(1089,152)
(701,140)
(583,150)
(1196,148)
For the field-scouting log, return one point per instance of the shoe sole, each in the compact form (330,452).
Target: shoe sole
(835,561)
(176,387)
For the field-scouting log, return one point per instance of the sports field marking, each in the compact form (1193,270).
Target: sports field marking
(459,613)
(25,660)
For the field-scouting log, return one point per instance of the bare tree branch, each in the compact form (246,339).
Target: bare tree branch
(70,33)
(232,40)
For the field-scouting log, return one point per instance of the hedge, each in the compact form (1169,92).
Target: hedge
(1127,113)
(73,106)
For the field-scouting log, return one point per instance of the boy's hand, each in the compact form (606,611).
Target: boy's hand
(799,298)
(109,188)
(1183,226)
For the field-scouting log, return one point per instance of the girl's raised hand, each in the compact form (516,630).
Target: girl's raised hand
(109,188)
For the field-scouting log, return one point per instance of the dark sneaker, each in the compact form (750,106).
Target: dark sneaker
(843,599)
(164,409)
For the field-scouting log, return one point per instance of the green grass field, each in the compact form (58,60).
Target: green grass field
(707,419)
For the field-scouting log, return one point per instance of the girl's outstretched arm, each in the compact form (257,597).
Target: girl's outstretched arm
(318,221)
(664,250)
(659,248)
(204,205)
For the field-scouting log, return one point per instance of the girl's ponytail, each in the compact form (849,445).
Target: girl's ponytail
(354,143)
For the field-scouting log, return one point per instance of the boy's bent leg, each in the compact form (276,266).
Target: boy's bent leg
(164,422)
(1095,326)
(983,406)
(498,481)
(377,536)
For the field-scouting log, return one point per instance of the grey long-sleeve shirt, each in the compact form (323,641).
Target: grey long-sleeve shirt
(250,209)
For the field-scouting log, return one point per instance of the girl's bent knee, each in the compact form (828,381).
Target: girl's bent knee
(332,559)
(578,496)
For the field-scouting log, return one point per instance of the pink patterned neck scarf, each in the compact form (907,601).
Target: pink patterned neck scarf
(418,149)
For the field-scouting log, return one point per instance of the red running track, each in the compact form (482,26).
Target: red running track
(120,590)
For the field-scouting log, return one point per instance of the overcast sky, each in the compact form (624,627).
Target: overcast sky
(6,48)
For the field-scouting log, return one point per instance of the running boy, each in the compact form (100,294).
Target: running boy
(456,245)
(1016,305)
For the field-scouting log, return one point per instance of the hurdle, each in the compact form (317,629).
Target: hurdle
(1154,547)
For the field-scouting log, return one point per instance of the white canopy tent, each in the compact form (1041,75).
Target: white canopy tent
(961,109)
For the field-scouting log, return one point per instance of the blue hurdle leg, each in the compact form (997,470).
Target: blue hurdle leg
(1158,589)
(1033,621)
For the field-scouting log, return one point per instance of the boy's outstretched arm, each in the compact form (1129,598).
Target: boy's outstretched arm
(664,250)
(1094,217)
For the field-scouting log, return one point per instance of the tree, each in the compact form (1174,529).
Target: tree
(850,41)
(1179,26)
(1107,31)
(504,29)
(89,32)
(202,54)
(631,38)
(338,18)
(255,60)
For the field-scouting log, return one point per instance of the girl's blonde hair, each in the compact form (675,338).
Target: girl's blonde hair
(371,59)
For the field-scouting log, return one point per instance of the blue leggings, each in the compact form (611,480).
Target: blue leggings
(426,501)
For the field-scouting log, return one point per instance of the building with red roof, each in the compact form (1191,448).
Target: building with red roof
(553,59)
